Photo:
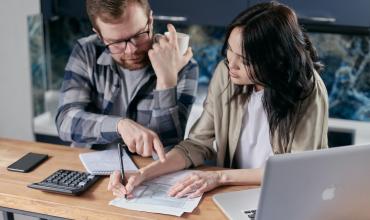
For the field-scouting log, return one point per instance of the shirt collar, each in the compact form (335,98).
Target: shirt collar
(105,59)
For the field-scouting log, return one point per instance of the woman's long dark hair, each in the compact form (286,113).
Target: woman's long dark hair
(282,60)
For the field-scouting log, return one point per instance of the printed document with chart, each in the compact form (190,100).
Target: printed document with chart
(151,196)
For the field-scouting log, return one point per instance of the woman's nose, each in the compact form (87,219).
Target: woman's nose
(233,63)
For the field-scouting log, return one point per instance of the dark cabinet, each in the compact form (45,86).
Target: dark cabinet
(340,12)
(65,8)
(203,12)
(221,12)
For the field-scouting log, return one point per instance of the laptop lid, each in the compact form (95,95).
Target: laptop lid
(326,184)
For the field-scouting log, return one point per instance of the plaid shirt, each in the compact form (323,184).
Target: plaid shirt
(92,84)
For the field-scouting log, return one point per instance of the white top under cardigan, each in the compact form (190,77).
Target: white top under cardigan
(254,145)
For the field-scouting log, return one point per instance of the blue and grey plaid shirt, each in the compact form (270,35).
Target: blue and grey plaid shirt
(91,86)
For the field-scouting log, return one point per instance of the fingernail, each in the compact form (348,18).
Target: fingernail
(172,195)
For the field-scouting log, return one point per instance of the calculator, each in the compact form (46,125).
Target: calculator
(66,182)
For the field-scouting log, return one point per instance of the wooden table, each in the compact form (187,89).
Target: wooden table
(16,197)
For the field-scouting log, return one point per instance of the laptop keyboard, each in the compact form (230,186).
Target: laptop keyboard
(251,213)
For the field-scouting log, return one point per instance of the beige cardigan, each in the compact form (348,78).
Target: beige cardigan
(221,121)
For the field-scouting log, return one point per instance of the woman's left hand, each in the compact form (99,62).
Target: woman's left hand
(196,184)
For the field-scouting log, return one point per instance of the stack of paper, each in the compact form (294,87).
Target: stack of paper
(105,162)
(151,196)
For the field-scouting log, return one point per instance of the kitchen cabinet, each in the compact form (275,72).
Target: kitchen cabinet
(221,12)
(67,8)
(202,12)
(338,12)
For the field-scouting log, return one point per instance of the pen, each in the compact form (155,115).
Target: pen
(123,179)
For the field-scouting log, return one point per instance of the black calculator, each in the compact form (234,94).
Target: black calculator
(66,182)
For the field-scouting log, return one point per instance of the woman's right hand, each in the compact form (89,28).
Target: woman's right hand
(118,189)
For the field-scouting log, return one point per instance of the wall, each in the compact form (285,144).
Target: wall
(15,78)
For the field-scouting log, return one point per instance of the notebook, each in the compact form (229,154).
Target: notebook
(105,162)
(328,184)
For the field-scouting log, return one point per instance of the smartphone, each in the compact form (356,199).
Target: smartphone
(28,162)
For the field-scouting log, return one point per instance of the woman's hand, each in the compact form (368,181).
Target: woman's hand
(133,179)
(196,184)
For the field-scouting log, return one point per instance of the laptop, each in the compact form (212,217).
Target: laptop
(329,184)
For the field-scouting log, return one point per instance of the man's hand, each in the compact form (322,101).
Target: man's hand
(167,60)
(139,139)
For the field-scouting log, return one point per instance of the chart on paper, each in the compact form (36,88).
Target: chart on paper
(156,194)
(152,196)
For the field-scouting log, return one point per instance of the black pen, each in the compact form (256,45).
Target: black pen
(123,179)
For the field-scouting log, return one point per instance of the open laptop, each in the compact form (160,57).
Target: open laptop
(329,184)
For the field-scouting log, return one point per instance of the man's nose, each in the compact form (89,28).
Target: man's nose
(130,48)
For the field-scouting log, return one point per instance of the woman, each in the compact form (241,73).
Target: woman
(266,98)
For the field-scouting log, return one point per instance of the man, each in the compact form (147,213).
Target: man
(118,85)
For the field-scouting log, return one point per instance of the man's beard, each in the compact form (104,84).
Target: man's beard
(133,62)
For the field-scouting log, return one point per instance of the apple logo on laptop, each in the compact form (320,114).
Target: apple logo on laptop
(328,193)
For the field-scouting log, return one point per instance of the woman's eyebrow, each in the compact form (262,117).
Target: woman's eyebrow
(229,47)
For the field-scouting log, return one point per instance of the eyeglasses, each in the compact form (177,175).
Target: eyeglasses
(136,40)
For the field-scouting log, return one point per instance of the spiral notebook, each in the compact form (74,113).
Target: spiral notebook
(105,162)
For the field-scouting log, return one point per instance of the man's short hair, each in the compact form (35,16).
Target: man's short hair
(111,10)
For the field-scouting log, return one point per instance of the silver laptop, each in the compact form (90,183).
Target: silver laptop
(330,184)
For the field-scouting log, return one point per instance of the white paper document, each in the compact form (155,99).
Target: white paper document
(105,162)
(151,196)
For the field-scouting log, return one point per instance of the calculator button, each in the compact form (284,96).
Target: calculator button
(66,182)
(82,184)
(90,177)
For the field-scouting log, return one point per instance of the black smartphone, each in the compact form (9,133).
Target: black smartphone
(27,163)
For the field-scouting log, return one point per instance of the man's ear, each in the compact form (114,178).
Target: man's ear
(98,34)
(151,17)
(151,20)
